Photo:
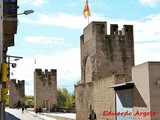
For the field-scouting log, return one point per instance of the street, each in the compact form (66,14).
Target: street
(16,114)
(11,117)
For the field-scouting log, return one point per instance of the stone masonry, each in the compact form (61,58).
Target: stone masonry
(106,60)
(45,89)
(16,93)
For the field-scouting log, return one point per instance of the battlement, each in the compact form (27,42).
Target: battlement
(19,83)
(94,28)
(46,76)
(112,53)
(127,29)
(46,72)
(113,29)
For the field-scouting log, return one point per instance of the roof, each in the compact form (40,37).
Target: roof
(121,86)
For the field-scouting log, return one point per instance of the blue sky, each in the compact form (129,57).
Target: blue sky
(52,34)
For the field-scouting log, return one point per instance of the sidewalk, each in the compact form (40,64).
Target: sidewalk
(16,114)
(55,116)
(42,116)
(61,116)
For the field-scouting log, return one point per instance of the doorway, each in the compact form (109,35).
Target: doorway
(124,104)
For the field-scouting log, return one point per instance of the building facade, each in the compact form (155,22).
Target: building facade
(106,60)
(8,27)
(45,89)
(16,93)
(146,92)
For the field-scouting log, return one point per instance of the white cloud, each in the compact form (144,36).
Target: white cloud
(33,2)
(25,20)
(146,29)
(63,20)
(151,3)
(67,64)
(24,71)
(44,40)
(147,52)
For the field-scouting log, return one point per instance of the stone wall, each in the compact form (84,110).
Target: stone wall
(16,93)
(84,100)
(105,60)
(104,97)
(45,89)
(154,68)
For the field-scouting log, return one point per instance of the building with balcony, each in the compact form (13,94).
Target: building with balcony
(8,26)
(9,22)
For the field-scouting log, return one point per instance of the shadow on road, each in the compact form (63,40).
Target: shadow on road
(11,117)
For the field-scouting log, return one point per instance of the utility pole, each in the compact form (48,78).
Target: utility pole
(2,116)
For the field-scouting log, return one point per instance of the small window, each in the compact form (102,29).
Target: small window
(13,0)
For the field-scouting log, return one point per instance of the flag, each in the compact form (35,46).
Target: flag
(35,61)
(86,11)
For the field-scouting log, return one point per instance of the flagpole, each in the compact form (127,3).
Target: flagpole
(35,63)
(88,11)
(88,19)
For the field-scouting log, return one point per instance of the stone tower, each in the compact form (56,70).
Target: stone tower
(45,89)
(106,60)
(16,93)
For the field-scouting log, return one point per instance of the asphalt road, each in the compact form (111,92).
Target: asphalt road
(11,117)
(16,114)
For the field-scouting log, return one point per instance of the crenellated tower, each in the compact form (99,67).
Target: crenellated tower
(16,93)
(45,89)
(103,55)
(106,60)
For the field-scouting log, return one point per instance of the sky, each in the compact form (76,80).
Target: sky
(51,35)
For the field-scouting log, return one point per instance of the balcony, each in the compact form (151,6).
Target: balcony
(10,26)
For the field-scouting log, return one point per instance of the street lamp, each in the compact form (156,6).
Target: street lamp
(8,17)
(14,65)
(26,12)
(16,58)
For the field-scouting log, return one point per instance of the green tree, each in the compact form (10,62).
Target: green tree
(61,97)
(29,101)
(70,101)
(65,100)
(73,100)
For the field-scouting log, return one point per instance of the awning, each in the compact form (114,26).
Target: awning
(121,86)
